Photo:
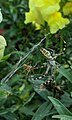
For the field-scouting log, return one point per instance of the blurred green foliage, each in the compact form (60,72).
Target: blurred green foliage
(21,98)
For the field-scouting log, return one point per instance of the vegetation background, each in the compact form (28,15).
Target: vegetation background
(21,98)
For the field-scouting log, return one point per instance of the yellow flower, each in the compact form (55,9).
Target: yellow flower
(34,15)
(67,9)
(38,27)
(43,3)
(47,7)
(29,17)
(46,10)
(40,9)
(56,22)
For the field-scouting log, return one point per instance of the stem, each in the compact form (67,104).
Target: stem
(61,48)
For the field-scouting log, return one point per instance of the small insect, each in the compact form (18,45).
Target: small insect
(52,86)
(30,69)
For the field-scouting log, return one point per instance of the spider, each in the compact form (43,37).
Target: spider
(51,56)
(52,86)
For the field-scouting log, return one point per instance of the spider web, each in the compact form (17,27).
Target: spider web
(22,60)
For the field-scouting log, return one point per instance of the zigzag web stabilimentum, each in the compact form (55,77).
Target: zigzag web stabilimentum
(22,60)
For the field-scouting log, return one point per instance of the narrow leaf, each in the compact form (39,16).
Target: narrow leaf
(63,117)
(65,73)
(42,111)
(9,116)
(61,109)
(26,110)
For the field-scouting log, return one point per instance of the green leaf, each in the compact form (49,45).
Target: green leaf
(66,99)
(43,93)
(1,18)
(26,110)
(3,97)
(30,98)
(5,90)
(8,55)
(36,85)
(3,111)
(9,116)
(2,46)
(42,111)
(61,109)
(2,42)
(5,57)
(65,73)
(63,117)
